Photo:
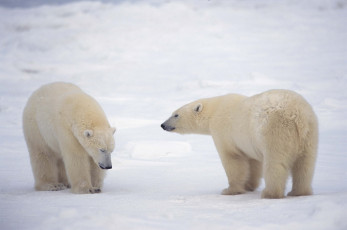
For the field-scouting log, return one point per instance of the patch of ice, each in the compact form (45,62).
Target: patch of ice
(130,123)
(157,149)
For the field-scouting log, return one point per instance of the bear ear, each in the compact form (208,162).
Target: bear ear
(113,130)
(88,133)
(198,108)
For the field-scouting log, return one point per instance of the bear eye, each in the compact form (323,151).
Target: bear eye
(176,115)
(103,150)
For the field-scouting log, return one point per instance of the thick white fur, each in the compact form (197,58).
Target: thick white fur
(65,130)
(273,134)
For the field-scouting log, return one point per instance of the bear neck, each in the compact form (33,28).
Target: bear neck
(209,114)
(203,124)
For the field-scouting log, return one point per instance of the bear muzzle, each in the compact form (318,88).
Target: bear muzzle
(102,166)
(105,161)
(167,127)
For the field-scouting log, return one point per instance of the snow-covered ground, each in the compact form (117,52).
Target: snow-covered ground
(143,59)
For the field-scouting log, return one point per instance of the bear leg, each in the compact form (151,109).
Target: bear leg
(45,172)
(62,177)
(42,158)
(237,170)
(97,174)
(275,176)
(77,168)
(302,173)
(255,168)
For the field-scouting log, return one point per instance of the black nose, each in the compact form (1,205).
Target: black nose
(163,126)
(105,167)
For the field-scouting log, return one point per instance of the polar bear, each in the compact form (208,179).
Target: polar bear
(271,134)
(69,139)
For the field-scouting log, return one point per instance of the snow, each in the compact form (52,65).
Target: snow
(143,59)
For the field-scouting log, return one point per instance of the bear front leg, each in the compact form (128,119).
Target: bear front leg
(97,175)
(255,168)
(237,170)
(43,163)
(62,177)
(45,171)
(77,169)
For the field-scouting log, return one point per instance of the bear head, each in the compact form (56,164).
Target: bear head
(99,144)
(190,118)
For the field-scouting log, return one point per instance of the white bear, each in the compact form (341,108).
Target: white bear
(69,139)
(273,134)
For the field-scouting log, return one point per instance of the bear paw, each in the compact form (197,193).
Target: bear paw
(302,193)
(51,187)
(94,190)
(271,195)
(233,191)
(85,190)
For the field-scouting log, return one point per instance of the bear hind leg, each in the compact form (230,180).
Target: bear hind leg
(275,176)
(302,173)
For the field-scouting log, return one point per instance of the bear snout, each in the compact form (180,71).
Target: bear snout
(167,127)
(102,166)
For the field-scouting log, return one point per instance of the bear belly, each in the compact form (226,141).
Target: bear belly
(249,149)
